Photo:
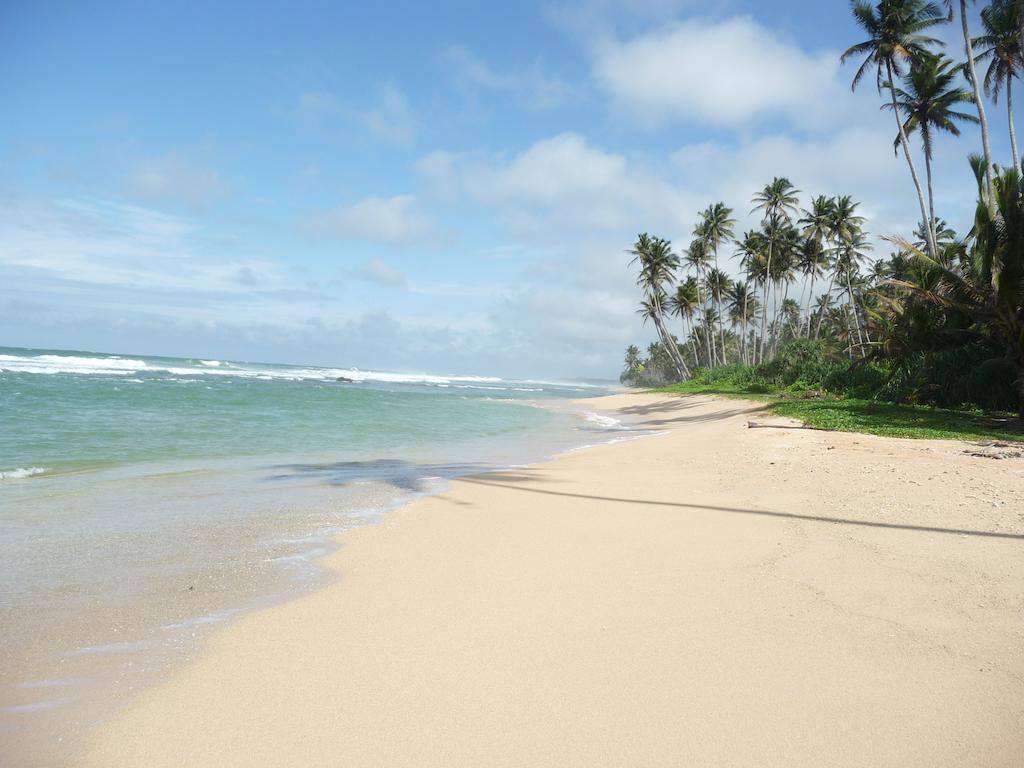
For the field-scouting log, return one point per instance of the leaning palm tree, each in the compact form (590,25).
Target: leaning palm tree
(979,103)
(1002,47)
(717,228)
(928,98)
(658,265)
(895,37)
(849,257)
(776,201)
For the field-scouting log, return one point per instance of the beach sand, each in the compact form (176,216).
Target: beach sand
(712,596)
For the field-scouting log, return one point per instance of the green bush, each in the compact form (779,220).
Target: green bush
(970,375)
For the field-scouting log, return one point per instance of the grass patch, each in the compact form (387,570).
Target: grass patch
(869,416)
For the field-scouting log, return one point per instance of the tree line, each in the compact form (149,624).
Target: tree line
(939,302)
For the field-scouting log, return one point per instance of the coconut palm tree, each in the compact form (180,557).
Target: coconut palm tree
(812,262)
(683,304)
(895,38)
(1002,47)
(979,103)
(718,284)
(987,288)
(927,99)
(776,201)
(716,228)
(696,258)
(851,253)
(742,312)
(817,229)
(658,265)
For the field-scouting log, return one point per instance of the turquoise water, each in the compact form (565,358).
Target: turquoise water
(68,411)
(143,499)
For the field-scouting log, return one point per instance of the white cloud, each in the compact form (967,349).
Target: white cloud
(561,184)
(118,246)
(389,117)
(531,86)
(376,271)
(394,221)
(721,73)
(174,177)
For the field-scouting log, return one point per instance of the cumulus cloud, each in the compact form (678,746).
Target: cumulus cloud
(394,221)
(720,73)
(176,178)
(562,182)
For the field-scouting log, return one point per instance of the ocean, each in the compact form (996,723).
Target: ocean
(145,499)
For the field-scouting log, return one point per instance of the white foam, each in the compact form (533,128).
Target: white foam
(118,366)
(50,364)
(608,422)
(21,473)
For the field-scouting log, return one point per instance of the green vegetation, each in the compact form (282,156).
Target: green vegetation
(802,383)
(921,343)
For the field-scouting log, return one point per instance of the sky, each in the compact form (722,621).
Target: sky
(447,187)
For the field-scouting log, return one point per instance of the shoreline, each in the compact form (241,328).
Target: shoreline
(453,651)
(83,674)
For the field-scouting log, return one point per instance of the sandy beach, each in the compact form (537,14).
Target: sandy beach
(716,595)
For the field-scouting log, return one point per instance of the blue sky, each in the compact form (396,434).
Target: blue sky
(447,187)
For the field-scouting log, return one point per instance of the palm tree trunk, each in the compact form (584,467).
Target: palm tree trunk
(693,346)
(973,77)
(853,308)
(670,347)
(721,321)
(779,325)
(709,334)
(1013,130)
(929,232)
(810,298)
(926,140)
(821,317)
(764,307)
(743,324)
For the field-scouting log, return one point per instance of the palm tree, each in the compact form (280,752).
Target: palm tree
(850,255)
(988,288)
(696,258)
(979,104)
(785,239)
(717,228)
(812,263)
(894,29)
(751,249)
(718,284)
(817,228)
(776,201)
(742,311)
(1003,50)
(928,98)
(658,265)
(633,363)
(683,304)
